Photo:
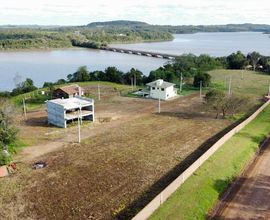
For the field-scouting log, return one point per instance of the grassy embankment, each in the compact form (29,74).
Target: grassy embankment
(195,198)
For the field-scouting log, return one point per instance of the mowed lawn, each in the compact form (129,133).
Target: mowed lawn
(195,198)
(107,173)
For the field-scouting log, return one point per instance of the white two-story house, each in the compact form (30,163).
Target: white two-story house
(161,89)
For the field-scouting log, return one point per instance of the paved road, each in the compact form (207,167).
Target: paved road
(250,198)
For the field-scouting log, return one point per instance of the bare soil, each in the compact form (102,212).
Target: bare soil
(119,167)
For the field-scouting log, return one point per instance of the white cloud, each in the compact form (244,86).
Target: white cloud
(70,12)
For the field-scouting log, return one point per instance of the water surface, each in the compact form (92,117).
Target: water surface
(215,44)
(51,65)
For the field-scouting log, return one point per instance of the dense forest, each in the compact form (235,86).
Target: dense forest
(97,34)
(83,36)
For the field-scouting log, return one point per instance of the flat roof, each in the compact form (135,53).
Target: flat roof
(72,103)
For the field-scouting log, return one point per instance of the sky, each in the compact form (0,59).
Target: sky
(171,12)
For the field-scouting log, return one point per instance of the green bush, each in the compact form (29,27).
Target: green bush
(4,159)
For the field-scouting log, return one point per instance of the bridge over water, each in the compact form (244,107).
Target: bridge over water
(140,53)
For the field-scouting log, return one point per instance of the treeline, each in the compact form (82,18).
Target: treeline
(254,61)
(187,66)
(180,29)
(33,38)
(183,29)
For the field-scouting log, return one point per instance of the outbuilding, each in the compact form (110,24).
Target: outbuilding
(62,111)
(68,92)
(161,89)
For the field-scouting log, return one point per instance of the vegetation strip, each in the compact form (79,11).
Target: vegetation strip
(201,191)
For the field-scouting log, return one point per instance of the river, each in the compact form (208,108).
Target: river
(50,65)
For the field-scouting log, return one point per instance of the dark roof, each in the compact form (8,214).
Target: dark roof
(163,84)
(71,89)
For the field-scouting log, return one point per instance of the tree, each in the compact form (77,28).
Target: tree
(24,87)
(236,60)
(225,104)
(215,100)
(81,75)
(112,74)
(60,82)
(254,58)
(205,78)
(267,67)
(7,131)
(131,75)
(235,103)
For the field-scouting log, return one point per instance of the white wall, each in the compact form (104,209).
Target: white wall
(56,114)
(170,92)
(157,93)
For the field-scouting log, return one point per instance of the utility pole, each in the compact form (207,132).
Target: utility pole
(98,92)
(135,81)
(131,80)
(159,105)
(181,83)
(230,86)
(24,108)
(200,89)
(81,113)
(79,127)
(269,89)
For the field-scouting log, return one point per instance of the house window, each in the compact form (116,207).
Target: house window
(162,89)
(153,88)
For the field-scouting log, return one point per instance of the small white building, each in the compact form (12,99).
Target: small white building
(62,111)
(161,89)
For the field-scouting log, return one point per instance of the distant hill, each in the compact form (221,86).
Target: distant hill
(180,29)
(117,23)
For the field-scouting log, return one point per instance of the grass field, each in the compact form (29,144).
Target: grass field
(253,83)
(195,198)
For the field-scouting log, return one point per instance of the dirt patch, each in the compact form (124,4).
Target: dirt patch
(102,177)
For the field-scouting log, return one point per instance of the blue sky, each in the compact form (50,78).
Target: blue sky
(173,12)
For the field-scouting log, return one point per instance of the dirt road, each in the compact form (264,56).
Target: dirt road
(250,196)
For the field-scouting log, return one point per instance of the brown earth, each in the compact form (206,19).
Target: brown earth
(119,167)
(249,196)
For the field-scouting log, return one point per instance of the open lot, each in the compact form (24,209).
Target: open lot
(125,159)
(121,164)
